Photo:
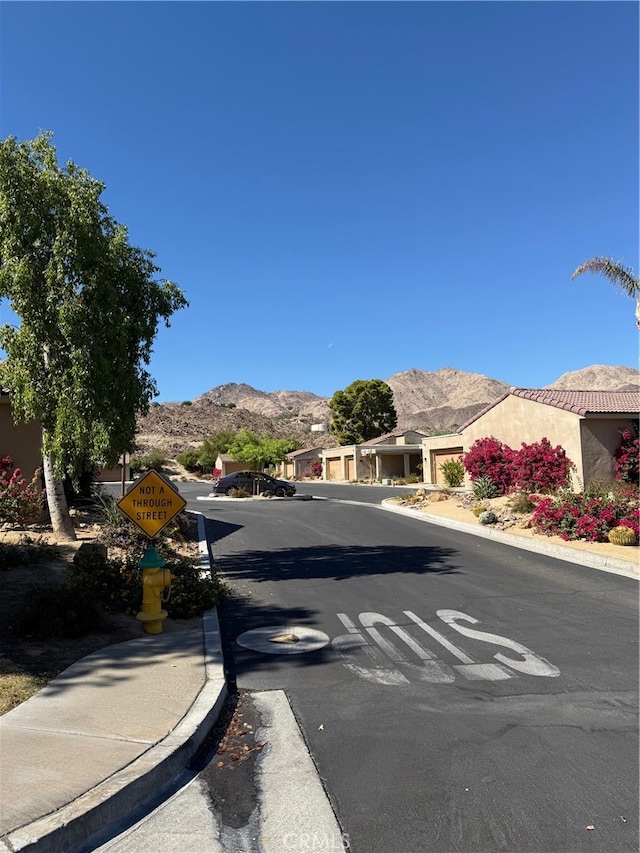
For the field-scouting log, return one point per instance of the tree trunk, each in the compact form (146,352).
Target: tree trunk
(57,502)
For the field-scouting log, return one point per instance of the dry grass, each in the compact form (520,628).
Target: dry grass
(16,686)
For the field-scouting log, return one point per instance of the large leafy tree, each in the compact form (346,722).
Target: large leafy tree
(620,276)
(89,307)
(364,410)
(260,451)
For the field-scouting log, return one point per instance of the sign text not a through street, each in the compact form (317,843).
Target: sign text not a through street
(151,503)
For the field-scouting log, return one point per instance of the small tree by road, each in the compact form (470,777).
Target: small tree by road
(259,451)
(364,410)
(89,307)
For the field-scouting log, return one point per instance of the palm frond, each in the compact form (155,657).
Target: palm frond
(619,275)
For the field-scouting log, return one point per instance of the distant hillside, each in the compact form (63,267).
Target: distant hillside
(425,401)
(599,377)
(174,428)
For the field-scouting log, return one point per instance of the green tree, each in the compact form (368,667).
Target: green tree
(259,451)
(620,276)
(89,308)
(217,443)
(364,410)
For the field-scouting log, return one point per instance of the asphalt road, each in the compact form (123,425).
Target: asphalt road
(466,696)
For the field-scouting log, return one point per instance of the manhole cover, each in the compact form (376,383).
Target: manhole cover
(283,640)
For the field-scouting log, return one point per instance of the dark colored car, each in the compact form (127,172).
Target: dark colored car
(254,483)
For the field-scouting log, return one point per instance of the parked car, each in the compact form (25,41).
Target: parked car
(254,483)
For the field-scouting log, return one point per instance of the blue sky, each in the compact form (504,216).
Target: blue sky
(349,190)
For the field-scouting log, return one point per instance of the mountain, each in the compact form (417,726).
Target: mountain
(598,377)
(441,400)
(425,401)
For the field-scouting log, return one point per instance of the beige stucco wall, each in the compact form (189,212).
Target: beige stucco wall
(21,441)
(600,440)
(228,466)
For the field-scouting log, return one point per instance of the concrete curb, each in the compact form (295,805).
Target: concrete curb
(218,498)
(75,826)
(559,552)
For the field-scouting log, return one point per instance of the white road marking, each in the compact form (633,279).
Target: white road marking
(392,666)
(379,674)
(455,651)
(431,670)
(531,665)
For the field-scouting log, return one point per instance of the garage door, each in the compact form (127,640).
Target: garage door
(437,458)
(334,468)
(351,471)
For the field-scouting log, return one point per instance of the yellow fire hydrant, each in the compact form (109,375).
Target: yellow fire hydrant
(155,579)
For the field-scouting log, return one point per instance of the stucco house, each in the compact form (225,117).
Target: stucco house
(586,424)
(21,441)
(395,454)
(227,465)
(298,463)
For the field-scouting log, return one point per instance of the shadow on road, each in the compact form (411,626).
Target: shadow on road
(244,610)
(338,562)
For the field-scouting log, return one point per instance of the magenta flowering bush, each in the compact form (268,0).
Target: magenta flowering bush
(626,457)
(573,517)
(536,467)
(316,469)
(20,502)
(541,468)
(489,457)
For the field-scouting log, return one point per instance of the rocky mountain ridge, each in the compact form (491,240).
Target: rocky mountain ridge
(425,401)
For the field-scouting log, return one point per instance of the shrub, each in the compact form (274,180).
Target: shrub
(575,517)
(484,487)
(597,488)
(490,459)
(154,461)
(65,611)
(626,457)
(404,481)
(189,460)
(541,468)
(240,493)
(20,502)
(25,552)
(316,468)
(453,472)
(521,503)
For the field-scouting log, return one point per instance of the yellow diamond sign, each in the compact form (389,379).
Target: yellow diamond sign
(151,503)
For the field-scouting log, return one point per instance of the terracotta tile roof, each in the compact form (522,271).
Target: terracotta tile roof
(584,402)
(580,402)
